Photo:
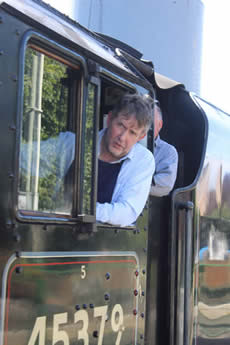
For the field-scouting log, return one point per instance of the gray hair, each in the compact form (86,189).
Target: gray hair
(141,106)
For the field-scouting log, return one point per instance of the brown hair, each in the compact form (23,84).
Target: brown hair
(140,106)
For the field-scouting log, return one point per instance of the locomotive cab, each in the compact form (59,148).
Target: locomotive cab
(185,127)
(65,278)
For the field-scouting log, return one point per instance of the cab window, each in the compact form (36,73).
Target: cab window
(47,142)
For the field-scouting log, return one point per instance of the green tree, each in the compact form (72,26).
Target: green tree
(54,117)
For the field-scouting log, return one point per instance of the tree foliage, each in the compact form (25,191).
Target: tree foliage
(53,117)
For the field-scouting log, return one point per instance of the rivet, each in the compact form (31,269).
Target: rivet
(12,128)
(95,334)
(14,78)
(135,292)
(136,273)
(145,250)
(91,305)
(106,297)
(142,315)
(142,336)
(107,275)
(134,312)
(77,307)
(138,231)
(17,32)
(11,175)
(17,237)
(10,224)
(84,306)
(143,271)
(18,269)
(142,293)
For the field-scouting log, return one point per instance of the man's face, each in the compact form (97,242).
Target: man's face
(121,135)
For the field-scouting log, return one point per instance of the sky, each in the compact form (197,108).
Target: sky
(65,6)
(215,75)
(215,79)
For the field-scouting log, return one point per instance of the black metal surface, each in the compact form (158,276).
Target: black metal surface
(50,292)
(165,277)
(37,14)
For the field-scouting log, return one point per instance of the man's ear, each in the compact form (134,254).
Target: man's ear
(161,125)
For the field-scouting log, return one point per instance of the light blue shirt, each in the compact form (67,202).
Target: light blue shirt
(132,188)
(166,160)
(59,150)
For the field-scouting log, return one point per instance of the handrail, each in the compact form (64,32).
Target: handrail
(188,207)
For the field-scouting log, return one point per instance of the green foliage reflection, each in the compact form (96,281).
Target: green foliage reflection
(88,156)
(45,117)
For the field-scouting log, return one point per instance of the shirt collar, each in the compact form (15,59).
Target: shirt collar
(157,140)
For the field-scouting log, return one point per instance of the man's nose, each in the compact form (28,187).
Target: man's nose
(123,134)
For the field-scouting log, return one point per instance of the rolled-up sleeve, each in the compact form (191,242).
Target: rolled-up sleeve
(131,190)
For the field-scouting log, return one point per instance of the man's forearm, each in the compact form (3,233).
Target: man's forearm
(120,214)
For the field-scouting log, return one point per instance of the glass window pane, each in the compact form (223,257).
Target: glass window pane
(47,148)
(89,150)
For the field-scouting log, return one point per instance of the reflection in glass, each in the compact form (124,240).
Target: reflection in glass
(218,245)
(88,153)
(47,144)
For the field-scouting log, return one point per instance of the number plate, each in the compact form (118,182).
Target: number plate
(66,299)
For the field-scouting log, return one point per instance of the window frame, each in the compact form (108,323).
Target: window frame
(72,60)
(96,83)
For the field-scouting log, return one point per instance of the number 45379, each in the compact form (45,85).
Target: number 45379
(117,325)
